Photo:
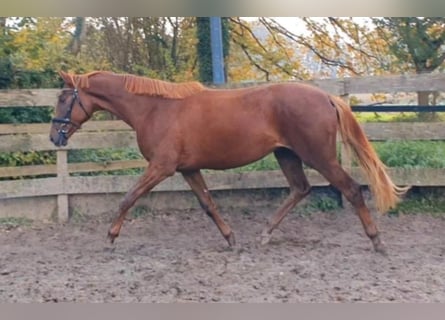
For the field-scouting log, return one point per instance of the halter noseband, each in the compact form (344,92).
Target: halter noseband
(62,131)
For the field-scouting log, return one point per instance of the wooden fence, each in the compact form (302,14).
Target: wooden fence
(116,134)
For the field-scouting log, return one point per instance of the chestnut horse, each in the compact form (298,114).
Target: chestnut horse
(187,127)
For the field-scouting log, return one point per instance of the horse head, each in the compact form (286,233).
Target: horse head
(72,110)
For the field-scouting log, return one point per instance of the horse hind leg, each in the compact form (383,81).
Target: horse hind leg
(336,175)
(292,168)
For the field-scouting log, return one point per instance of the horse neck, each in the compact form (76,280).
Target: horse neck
(111,95)
(116,100)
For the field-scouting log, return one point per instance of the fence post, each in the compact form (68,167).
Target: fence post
(62,173)
(346,161)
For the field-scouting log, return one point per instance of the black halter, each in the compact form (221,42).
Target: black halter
(63,131)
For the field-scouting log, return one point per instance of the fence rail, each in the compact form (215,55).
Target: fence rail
(116,134)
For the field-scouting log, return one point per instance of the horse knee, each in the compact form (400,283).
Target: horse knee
(354,195)
(301,192)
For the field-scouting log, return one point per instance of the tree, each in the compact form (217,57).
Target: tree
(418,44)
(347,46)
(351,46)
(204,49)
(5,52)
(153,46)
(259,51)
(36,49)
(31,48)
(204,52)
(79,35)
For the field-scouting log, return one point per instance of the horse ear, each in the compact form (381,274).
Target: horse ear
(64,76)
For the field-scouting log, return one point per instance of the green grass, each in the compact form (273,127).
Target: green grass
(422,200)
(421,205)
(318,203)
(141,211)
(407,154)
(267,163)
(402,154)
(412,154)
(14,222)
(392,116)
(77,216)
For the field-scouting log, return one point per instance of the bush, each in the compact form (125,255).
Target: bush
(105,156)
(412,154)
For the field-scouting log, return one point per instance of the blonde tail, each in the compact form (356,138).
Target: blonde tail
(386,193)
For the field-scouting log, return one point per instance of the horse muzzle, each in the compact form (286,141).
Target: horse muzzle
(61,140)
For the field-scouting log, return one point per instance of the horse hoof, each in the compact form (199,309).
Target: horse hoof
(265,237)
(231,239)
(381,249)
(379,246)
(111,236)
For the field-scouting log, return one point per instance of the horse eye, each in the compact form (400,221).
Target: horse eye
(62,98)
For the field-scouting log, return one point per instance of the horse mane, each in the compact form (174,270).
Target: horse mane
(144,86)
(80,80)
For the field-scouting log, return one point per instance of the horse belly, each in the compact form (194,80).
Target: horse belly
(228,135)
(226,153)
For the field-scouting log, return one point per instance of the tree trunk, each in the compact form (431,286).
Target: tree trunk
(79,35)
(2,22)
(423,99)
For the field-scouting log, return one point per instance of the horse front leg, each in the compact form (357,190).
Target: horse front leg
(152,176)
(199,188)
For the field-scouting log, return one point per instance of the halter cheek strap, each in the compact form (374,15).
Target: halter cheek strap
(66,119)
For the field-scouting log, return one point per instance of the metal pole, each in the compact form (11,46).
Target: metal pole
(217,50)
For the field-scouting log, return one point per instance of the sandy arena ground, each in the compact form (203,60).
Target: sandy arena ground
(181,257)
